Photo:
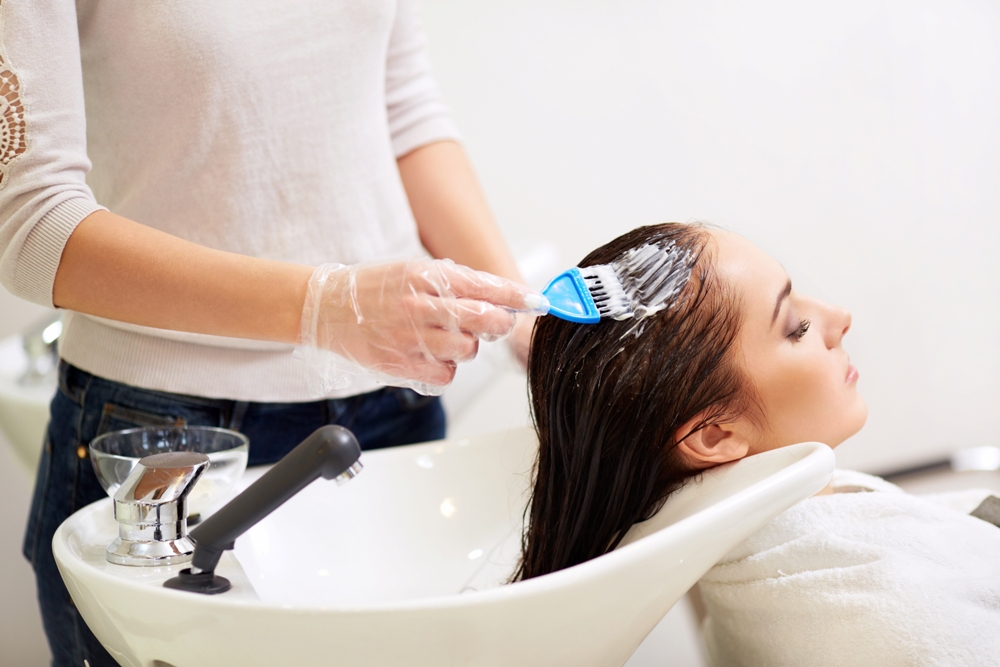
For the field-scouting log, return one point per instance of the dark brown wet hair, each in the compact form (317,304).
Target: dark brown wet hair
(609,401)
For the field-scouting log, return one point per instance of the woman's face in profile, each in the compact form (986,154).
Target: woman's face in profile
(792,350)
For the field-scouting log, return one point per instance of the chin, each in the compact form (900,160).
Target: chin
(858,417)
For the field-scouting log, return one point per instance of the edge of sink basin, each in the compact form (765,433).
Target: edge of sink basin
(807,461)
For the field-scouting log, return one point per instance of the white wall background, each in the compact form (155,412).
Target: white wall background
(857,141)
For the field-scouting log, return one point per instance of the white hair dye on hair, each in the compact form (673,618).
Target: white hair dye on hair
(641,283)
(652,277)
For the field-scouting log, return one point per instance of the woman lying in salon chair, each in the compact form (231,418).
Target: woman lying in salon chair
(740,363)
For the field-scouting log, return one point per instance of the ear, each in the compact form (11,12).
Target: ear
(713,445)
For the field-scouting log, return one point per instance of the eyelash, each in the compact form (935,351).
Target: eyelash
(800,331)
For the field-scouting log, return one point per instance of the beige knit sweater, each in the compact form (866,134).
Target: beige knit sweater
(258,127)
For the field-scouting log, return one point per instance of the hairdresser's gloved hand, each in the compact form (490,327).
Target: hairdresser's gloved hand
(407,323)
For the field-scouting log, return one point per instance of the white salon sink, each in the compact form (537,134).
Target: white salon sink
(24,408)
(406,564)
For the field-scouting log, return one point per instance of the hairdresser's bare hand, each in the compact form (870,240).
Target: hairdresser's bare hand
(409,323)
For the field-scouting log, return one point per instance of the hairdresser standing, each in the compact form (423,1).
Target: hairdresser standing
(172,174)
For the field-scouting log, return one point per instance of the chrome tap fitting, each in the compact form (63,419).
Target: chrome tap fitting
(41,349)
(151,510)
(331,452)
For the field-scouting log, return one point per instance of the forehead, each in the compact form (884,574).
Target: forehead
(755,276)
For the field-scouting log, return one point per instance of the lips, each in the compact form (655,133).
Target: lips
(852,374)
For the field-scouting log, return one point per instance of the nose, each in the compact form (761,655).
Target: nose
(838,322)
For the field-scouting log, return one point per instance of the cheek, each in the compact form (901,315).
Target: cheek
(803,400)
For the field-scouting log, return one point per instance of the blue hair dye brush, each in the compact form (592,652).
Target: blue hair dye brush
(588,294)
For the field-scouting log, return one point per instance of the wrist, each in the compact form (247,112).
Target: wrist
(283,320)
(325,303)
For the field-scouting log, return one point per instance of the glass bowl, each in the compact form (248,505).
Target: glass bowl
(114,455)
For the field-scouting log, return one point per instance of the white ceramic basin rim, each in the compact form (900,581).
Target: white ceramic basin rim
(424,588)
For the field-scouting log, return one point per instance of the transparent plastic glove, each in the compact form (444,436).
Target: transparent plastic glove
(407,324)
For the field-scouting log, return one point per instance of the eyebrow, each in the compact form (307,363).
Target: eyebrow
(781,297)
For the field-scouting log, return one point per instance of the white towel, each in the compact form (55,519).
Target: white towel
(883,578)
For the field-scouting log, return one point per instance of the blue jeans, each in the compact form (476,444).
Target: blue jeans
(87,406)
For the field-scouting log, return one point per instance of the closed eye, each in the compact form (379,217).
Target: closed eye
(800,331)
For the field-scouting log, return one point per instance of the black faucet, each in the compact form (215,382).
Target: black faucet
(331,452)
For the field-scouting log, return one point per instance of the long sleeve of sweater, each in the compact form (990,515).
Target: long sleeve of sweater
(44,161)
(43,154)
